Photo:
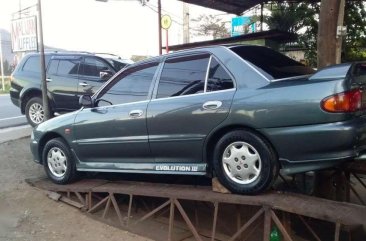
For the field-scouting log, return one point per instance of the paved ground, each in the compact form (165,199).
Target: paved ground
(10,114)
(26,214)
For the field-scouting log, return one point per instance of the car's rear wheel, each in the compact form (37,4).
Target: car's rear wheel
(244,162)
(58,162)
(34,111)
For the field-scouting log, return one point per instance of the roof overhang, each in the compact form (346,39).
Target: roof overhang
(275,35)
(235,6)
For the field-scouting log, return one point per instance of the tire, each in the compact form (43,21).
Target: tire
(245,163)
(34,111)
(58,162)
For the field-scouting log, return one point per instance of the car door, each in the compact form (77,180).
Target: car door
(89,75)
(115,130)
(193,96)
(62,78)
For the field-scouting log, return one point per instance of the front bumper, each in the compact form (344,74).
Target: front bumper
(34,149)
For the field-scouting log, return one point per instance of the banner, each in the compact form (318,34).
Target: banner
(24,34)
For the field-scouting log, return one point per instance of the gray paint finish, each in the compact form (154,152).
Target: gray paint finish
(177,130)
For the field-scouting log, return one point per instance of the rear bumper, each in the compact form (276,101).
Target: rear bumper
(312,147)
(14,96)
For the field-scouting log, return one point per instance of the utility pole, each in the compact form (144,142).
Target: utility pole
(46,107)
(2,64)
(327,32)
(340,31)
(159,25)
(185,23)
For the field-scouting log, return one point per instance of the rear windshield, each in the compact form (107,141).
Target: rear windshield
(272,64)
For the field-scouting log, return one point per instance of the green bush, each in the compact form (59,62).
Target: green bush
(7,85)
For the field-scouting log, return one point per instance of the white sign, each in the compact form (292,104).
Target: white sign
(24,34)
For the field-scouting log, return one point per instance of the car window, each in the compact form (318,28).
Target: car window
(33,64)
(52,68)
(68,67)
(218,78)
(92,67)
(183,76)
(131,86)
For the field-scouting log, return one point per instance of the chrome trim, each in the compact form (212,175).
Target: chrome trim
(207,73)
(141,171)
(183,96)
(112,106)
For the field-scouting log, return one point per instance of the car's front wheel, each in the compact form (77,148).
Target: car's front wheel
(244,162)
(58,162)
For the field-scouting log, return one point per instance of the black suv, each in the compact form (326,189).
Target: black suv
(69,75)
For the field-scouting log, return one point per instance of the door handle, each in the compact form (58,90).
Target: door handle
(83,84)
(135,113)
(212,105)
(48,79)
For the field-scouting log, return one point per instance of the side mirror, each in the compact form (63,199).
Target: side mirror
(105,75)
(86,101)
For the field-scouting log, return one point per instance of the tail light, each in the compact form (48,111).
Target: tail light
(349,101)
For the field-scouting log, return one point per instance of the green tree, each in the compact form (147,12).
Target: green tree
(354,44)
(211,25)
(302,18)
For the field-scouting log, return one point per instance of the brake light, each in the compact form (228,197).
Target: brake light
(349,101)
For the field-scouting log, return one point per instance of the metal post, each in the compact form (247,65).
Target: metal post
(340,22)
(167,41)
(185,23)
(159,21)
(43,66)
(262,19)
(2,65)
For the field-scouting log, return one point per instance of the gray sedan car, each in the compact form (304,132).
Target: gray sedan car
(240,113)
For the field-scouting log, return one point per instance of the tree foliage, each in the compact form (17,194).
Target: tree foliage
(211,25)
(302,18)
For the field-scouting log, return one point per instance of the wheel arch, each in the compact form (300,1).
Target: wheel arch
(27,95)
(215,136)
(42,142)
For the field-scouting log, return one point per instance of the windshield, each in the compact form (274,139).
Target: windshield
(274,64)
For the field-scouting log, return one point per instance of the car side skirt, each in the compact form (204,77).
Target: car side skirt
(148,168)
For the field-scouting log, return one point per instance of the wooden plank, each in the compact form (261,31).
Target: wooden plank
(98,205)
(187,220)
(313,207)
(247,224)
(267,224)
(216,211)
(171,220)
(337,231)
(116,208)
(154,211)
(309,228)
(106,208)
(280,226)
(71,202)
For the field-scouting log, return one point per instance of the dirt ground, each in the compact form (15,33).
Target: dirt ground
(27,214)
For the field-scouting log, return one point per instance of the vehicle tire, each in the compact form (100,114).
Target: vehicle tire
(244,162)
(34,111)
(58,162)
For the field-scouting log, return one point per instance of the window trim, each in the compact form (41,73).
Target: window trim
(67,75)
(25,63)
(101,91)
(155,91)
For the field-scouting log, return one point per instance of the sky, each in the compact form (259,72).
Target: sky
(122,27)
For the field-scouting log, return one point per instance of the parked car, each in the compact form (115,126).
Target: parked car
(69,75)
(240,113)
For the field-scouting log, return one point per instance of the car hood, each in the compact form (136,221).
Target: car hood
(62,121)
